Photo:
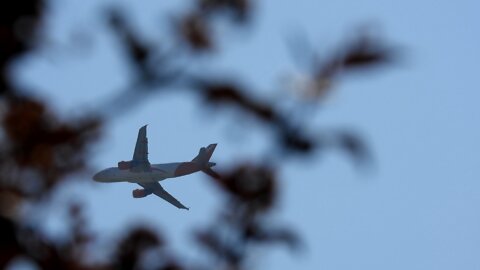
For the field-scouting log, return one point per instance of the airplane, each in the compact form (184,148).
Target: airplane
(140,171)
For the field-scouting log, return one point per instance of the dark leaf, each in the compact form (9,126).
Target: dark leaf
(240,9)
(196,33)
(269,234)
(254,186)
(365,53)
(215,245)
(353,145)
(133,245)
(228,93)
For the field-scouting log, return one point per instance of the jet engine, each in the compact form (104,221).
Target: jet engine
(140,193)
(124,165)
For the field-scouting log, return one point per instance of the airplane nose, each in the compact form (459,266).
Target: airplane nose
(98,177)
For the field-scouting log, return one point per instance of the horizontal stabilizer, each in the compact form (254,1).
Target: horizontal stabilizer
(211,172)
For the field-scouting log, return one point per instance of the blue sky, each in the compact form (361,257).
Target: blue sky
(416,210)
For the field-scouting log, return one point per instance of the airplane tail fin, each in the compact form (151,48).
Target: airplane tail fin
(203,158)
(205,154)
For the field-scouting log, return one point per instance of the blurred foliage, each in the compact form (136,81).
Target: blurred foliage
(38,150)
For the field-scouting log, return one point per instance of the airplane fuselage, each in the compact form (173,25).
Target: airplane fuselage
(156,173)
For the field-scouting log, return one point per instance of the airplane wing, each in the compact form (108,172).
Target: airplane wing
(140,154)
(158,190)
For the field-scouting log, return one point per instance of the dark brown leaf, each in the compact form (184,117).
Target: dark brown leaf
(196,33)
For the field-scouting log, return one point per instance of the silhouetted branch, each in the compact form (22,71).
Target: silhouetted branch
(39,149)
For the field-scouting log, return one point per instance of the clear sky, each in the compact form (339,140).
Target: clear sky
(418,209)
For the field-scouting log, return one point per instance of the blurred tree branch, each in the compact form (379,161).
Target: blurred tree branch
(38,150)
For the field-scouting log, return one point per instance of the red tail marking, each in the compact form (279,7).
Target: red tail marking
(186,168)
